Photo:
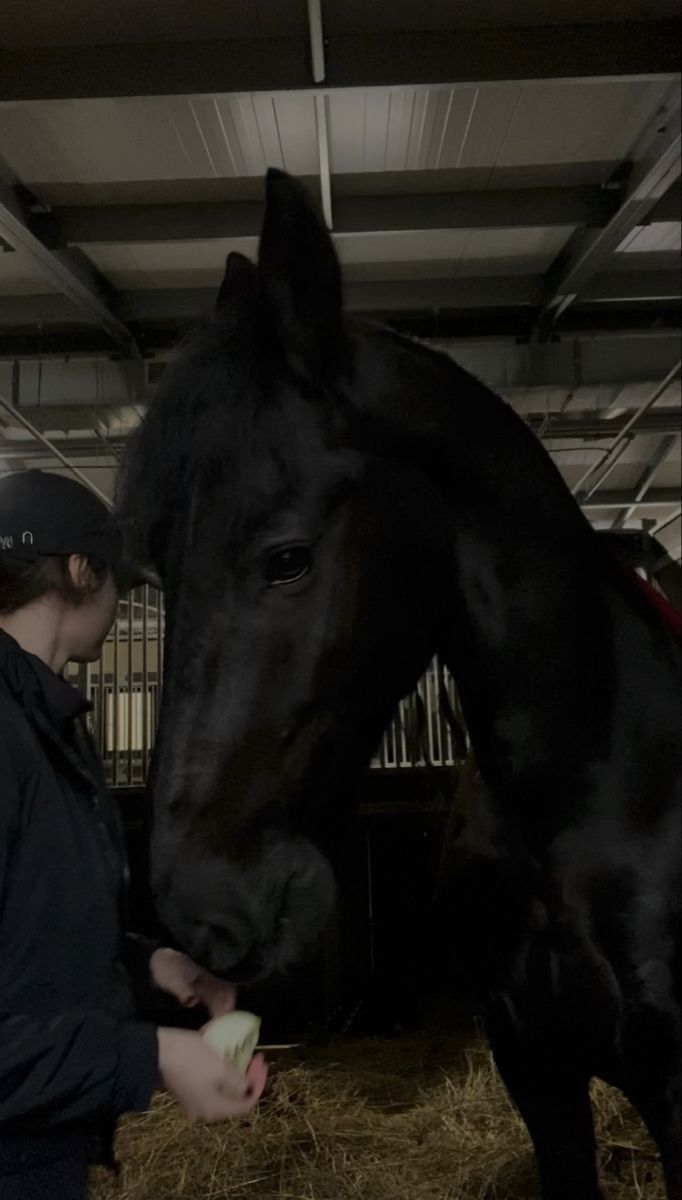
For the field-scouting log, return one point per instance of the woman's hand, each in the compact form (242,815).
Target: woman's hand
(206,1087)
(189,983)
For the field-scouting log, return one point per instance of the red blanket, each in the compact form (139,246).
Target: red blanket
(669,615)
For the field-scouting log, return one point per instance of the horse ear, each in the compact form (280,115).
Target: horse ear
(300,277)
(238,291)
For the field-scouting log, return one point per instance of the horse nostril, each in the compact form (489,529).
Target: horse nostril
(207,933)
(226,937)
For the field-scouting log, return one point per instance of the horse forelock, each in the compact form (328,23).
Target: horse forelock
(204,406)
(220,417)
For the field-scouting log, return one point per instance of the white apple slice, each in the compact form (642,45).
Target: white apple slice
(234,1036)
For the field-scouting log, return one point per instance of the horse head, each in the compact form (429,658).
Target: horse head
(300,565)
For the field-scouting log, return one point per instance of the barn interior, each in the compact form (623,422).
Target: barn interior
(500,179)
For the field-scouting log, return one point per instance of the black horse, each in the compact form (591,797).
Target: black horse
(328,505)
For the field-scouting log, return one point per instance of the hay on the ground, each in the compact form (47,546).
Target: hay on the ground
(407,1119)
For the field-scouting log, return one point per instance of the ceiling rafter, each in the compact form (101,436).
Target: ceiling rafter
(624,50)
(651,176)
(533,207)
(69,272)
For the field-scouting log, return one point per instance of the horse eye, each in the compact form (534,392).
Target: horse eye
(288,565)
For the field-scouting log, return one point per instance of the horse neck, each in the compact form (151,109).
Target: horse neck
(528,634)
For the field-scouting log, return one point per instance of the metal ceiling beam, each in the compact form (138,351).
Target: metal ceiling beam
(54,452)
(666,522)
(622,287)
(397,295)
(599,347)
(621,499)
(408,295)
(627,500)
(608,460)
(501,209)
(565,429)
(68,271)
(414,295)
(633,330)
(651,175)
(643,486)
(624,49)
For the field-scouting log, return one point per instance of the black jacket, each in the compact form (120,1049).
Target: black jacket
(72,1057)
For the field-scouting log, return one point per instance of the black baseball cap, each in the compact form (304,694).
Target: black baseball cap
(46,514)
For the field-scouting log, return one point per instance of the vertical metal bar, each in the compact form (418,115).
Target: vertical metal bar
(160,636)
(404,760)
(417,747)
(101,706)
(459,713)
(115,725)
(443,727)
(145,681)
(451,752)
(444,735)
(322,121)
(316,39)
(131,698)
(433,716)
(392,745)
(370,898)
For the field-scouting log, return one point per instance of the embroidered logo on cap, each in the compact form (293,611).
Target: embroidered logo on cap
(7,540)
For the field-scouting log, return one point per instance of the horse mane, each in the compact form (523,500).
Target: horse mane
(457,408)
(201,412)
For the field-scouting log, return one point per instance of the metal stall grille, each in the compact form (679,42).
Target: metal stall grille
(419,734)
(124,687)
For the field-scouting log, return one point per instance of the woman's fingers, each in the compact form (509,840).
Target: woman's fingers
(257,1075)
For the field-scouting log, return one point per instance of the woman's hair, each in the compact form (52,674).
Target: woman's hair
(23,582)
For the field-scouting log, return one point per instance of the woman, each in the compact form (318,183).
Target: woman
(72,1055)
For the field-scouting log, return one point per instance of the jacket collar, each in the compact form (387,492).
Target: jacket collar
(36,687)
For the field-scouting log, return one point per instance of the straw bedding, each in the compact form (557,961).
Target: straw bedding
(413,1118)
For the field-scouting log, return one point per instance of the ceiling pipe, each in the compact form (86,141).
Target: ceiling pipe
(316,40)
(321,115)
(321,118)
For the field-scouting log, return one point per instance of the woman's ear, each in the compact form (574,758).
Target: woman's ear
(81,574)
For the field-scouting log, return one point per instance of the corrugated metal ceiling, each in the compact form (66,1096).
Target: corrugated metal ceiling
(19,277)
(371,130)
(659,237)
